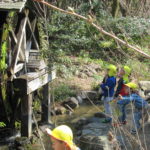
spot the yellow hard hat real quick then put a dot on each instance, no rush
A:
(112, 70)
(131, 85)
(62, 133)
(127, 70)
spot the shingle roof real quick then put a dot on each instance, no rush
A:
(12, 4)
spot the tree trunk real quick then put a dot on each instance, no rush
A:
(115, 8)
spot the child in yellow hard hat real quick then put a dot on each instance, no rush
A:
(123, 75)
(108, 91)
(62, 138)
(140, 105)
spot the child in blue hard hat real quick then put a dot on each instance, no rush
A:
(108, 87)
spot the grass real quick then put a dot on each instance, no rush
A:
(62, 90)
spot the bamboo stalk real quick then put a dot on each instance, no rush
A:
(90, 21)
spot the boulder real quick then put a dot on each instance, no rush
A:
(80, 100)
(94, 136)
(94, 143)
(89, 95)
(80, 123)
(71, 103)
(144, 89)
(144, 85)
(59, 110)
(100, 115)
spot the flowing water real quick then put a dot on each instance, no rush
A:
(81, 112)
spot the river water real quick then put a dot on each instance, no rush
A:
(81, 112)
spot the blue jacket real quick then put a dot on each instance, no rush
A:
(137, 100)
(109, 86)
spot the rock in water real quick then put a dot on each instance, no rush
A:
(71, 103)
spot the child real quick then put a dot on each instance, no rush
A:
(62, 138)
(140, 105)
(123, 74)
(108, 91)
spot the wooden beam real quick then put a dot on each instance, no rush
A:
(18, 67)
(15, 41)
(23, 48)
(32, 32)
(36, 64)
(13, 36)
(28, 47)
(18, 46)
(46, 104)
(26, 115)
(38, 82)
(32, 81)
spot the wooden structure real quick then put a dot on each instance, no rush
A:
(26, 71)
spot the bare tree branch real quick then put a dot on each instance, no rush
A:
(90, 21)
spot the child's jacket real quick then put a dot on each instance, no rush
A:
(120, 88)
(137, 100)
(108, 86)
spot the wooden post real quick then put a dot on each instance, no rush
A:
(26, 118)
(46, 105)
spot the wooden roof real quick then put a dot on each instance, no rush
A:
(12, 4)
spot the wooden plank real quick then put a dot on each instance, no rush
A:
(13, 36)
(36, 64)
(18, 46)
(46, 104)
(12, 5)
(18, 67)
(38, 83)
(26, 115)
(31, 83)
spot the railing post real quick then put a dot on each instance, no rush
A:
(46, 104)
(26, 115)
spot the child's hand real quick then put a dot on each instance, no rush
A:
(119, 97)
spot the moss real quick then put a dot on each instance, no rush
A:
(3, 54)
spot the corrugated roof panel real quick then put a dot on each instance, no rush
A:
(12, 5)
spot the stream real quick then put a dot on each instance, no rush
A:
(81, 112)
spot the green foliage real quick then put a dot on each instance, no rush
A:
(2, 124)
(62, 91)
(3, 56)
(18, 125)
(140, 69)
(72, 37)
(36, 105)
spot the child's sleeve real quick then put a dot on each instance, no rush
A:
(108, 84)
(125, 100)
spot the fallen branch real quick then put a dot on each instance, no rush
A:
(90, 21)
